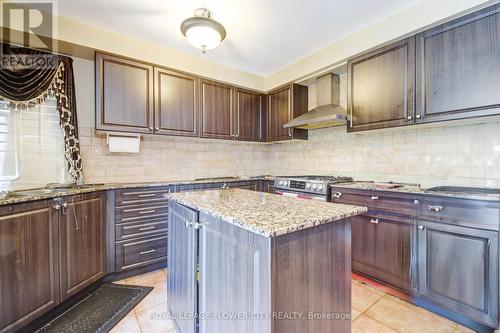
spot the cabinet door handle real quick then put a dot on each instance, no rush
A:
(147, 211)
(189, 224)
(416, 202)
(435, 208)
(418, 116)
(197, 225)
(147, 252)
(410, 117)
(147, 195)
(151, 129)
(337, 195)
(374, 221)
(147, 228)
(421, 227)
(57, 206)
(374, 197)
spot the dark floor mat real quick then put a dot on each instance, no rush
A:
(99, 311)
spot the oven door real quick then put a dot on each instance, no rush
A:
(300, 195)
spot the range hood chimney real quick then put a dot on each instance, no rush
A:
(328, 113)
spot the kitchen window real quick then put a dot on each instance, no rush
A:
(31, 147)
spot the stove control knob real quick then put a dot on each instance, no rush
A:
(314, 186)
(320, 187)
(308, 185)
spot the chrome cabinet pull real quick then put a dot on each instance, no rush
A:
(147, 211)
(435, 208)
(147, 195)
(410, 117)
(197, 225)
(374, 221)
(416, 202)
(337, 195)
(419, 116)
(147, 228)
(374, 197)
(151, 129)
(189, 224)
(421, 227)
(57, 206)
(147, 252)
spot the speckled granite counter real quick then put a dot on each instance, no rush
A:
(266, 214)
(446, 191)
(87, 188)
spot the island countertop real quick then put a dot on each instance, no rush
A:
(268, 215)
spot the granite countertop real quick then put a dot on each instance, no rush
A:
(415, 189)
(88, 188)
(268, 215)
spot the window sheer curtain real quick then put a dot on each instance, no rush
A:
(23, 87)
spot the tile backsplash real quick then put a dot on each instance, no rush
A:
(466, 155)
(165, 158)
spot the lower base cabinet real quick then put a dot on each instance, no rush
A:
(458, 269)
(29, 266)
(381, 248)
(49, 250)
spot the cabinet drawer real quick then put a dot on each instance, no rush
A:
(397, 203)
(465, 212)
(141, 212)
(131, 254)
(141, 195)
(140, 229)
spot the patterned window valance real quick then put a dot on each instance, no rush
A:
(28, 77)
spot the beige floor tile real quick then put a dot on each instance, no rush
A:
(354, 313)
(154, 320)
(406, 319)
(148, 279)
(128, 324)
(364, 324)
(157, 296)
(363, 298)
(124, 281)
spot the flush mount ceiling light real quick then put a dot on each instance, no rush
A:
(202, 31)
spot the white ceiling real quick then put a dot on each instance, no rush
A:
(262, 35)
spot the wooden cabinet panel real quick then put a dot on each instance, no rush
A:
(283, 105)
(458, 68)
(29, 269)
(381, 87)
(124, 95)
(83, 235)
(176, 103)
(382, 249)
(141, 252)
(216, 110)
(249, 114)
(182, 252)
(458, 269)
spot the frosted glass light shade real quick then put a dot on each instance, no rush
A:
(202, 31)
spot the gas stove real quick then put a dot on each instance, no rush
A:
(307, 187)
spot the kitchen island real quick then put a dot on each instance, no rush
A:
(243, 261)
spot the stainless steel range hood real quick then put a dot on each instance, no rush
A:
(328, 113)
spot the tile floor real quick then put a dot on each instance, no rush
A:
(373, 310)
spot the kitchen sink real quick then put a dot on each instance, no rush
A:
(33, 192)
(69, 186)
(464, 190)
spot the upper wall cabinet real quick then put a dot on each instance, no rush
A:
(176, 103)
(249, 111)
(216, 110)
(124, 95)
(458, 68)
(380, 87)
(285, 104)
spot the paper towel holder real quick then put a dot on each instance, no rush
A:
(123, 135)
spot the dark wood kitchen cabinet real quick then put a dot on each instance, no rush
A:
(249, 110)
(284, 105)
(216, 110)
(381, 248)
(458, 269)
(380, 87)
(176, 103)
(29, 265)
(458, 68)
(83, 237)
(124, 95)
